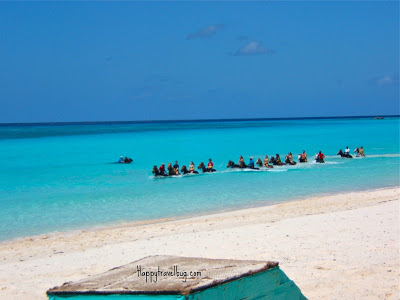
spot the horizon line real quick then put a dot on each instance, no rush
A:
(190, 120)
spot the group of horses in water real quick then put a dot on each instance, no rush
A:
(346, 153)
(174, 170)
(267, 163)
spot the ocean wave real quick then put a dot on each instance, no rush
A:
(381, 155)
(367, 156)
(178, 176)
(325, 163)
(230, 170)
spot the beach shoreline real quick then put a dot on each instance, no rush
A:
(295, 233)
(243, 208)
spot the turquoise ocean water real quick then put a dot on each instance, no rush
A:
(59, 177)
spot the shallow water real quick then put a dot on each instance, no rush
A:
(56, 178)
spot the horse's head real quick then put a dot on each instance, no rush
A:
(201, 166)
(340, 152)
(259, 162)
(183, 169)
(230, 164)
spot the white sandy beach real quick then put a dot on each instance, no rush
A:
(343, 246)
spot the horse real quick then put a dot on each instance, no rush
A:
(172, 171)
(318, 160)
(204, 169)
(259, 162)
(128, 160)
(185, 171)
(232, 165)
(301, 159)
(157, 173)
(344, 155)
(275, 162)
(288, 162)
(359, 151)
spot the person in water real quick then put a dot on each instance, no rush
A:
(320, 156)
(176, 166)
(347, 151)
(361, 151)
(171, 170)
(251, 162)
(155, 171)
(266, 161)
(278, 159)
(121, 160)
(290, 158)
(161, 169)
(304, 156)
(241, 162)
(210, 164)
(287, 159)
(191, 167)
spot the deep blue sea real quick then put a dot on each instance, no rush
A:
(61, 177)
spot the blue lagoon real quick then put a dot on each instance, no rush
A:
(61, 177)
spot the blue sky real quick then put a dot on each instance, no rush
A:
(111, 61)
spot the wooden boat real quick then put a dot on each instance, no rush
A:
(184, 278)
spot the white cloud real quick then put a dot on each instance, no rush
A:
(205, 32)
(253, 48)
(385, 80)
